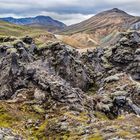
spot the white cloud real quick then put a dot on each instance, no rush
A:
(68, 19)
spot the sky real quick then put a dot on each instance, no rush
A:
(67, 11)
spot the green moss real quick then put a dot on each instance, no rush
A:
(8, 29)
(11, 50)
(95, 137)
(124, 134)
(16, 116)
(16, 42)
(38, 109)
(6, 44)
(42, 46)
(101, 116)
(29, 112)
(121, 117)
(82, 117)
(6, 120)
(40, 133)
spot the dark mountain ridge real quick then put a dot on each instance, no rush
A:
(40, 21)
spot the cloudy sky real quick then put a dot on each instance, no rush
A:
(67, 11)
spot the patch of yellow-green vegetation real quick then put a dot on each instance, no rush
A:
(46, 45)
(11, 41)
(95, 137)
(6, 119)
(82, 117)
(6, 44)
(42, 46)
(39, 42)
(108, 66)
(15, 116)
(123, 133)
(50, 129)
(121, 117)
(11, 50)
(31, 112)
(39, 134)
(38, 109)
(20, 41)
(101, 115)
(7, 29)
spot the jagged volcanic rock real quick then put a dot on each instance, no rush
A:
(72, 85)
(56, 70)
(63, 74)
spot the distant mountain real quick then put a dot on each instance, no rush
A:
(109, 20)
(103, 26)
(39, 21)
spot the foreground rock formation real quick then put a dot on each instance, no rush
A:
(68, 92)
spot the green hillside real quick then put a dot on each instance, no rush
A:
(8, 29)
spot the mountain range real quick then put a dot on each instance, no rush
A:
(100, 29)
(109, 20)
(103, 27)
(38, 21)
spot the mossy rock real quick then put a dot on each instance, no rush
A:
(6, 39)
(40, 133)
(42, 46)
(6, 119)
(7, 44)
(101, 115)
(11, 50)
(38, 109)
(123, 134)
(95, 136)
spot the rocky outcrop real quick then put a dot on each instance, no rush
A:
(57, 78)
(63, 74)
(55, 70)
(121, 71)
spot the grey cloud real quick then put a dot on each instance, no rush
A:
(68, 11)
